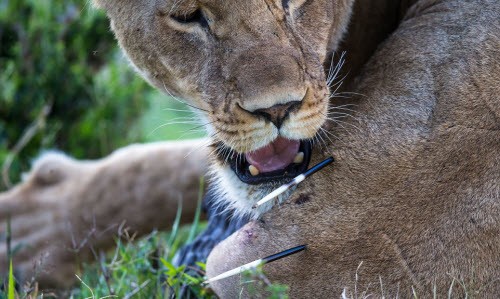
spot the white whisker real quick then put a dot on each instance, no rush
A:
(323, 130)
(176, 110)
(178, 100)
(331, 109)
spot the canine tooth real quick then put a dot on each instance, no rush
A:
(299, 158)
(253, 170)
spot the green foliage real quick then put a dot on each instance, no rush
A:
(61, 55)
(257, 285)
(140, 269)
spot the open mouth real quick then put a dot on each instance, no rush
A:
(277, 162)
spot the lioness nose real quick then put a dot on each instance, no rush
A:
(278, 113)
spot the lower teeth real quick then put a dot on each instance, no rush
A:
(253, 170)
(299, 158)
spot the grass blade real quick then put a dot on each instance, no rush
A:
(196, 221)
(8, 239)
(175, 226)
(11, 283)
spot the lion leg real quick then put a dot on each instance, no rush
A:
(64, 207)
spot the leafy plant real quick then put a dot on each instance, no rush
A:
(257, 285)
(63, 85)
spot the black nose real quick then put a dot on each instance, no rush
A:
(278, 113)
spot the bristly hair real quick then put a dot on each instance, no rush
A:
(230, 193)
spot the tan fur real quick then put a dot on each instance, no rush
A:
(412, 195)
(414, 198)
(412, 202)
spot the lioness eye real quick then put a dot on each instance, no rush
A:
(193, 17)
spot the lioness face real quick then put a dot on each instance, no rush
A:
(253, 69)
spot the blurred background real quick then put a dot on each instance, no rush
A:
(65, 85)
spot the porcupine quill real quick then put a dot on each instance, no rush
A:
(298, 179)
(256, 263)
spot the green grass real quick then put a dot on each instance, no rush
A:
(140, 269)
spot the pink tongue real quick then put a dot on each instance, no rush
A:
(274, 156)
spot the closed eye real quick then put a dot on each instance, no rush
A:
(195, 17)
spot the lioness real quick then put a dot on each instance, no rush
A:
(411, 205)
